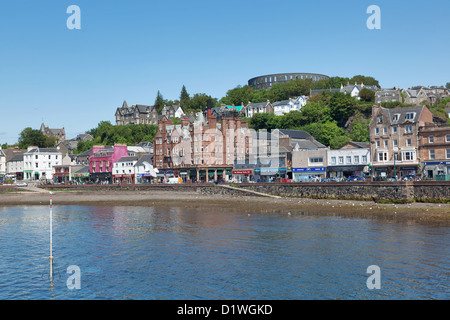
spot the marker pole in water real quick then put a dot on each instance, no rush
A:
(50, 258)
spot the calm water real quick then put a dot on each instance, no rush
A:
(177, 253)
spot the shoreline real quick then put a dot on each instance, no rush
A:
(410, 212)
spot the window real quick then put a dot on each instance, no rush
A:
(448, 154)
(396, 117)
(49, 157)
(408, 129)
(316, 160)
(341, 160)
(377, 131)
(380, 119)
(432, 155)
(348, 160)
(356, 159)
(395, 143)
(408, 142)
(364, 159)
(385, 144)
(382, 156)
(408, 155)
(384, 130)
(333, 160)
(410, 115)
(378, 143)
(394, 130)
(447, 138)
(431, 139)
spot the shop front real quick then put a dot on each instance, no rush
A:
(202, 174)
(309, 174)
(241, 175)
(269, 174)
(123, 178)
(101, 177)
(80, 177)
(439, 170)
(345, 171)
(407, 171)
(164, 174)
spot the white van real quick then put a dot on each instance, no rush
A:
(174, 180)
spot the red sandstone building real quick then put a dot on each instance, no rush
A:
(201, 150)
(434, 150)
(394, 140)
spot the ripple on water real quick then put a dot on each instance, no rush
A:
(178, 253)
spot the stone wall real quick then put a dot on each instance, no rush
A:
(424, 191)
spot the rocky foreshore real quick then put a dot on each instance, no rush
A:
(410, 212)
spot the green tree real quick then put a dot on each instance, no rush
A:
(367, 95)
(239, 95)
(342, 106)
(359, 130)
(33, 137)
(184, 97)
(267, 121)
(368, 81)
(159, 102)
(447, 85)
(199, 101)
(316, 112)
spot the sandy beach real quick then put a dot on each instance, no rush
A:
(412, 212)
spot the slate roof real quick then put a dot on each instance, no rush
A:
(402, 111)
(296, 134)
(281, 103)
(84, 169)
(145, 158)
(257, 104)
(360, 144)
(44, 150)
(18, 157)
(126, 159)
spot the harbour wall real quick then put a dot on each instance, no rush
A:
(422, 191)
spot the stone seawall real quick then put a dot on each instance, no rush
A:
(423, 191)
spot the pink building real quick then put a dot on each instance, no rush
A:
(102, 159)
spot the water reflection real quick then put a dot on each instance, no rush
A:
(219, 253)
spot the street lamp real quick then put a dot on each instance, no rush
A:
(395, 149)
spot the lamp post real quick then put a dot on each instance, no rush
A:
(395, 149)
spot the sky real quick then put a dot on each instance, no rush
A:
(128, 50)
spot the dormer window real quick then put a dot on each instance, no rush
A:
(380, 119)
(396, 117)
(410, 115)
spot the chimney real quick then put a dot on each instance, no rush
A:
(224, 125)
(231, 123)
(212, 120)
(184, 122)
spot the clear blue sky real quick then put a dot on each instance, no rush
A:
(130, 49)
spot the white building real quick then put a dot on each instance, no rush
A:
(282, 107)
(123, 170)
(260, 107)
(354, 90)
(350, 160)
(144, 170)
(15, 166)
(2, 162)
(38, 163)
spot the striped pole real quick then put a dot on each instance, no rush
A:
(51, 239)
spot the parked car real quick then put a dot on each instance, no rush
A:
(356, 178)
(22, 184)
(285, 180)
